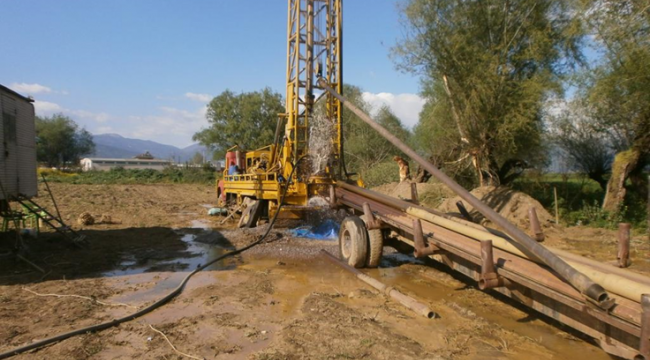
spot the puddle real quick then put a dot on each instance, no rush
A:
(509, 318)
(195, 255)
(200, 224)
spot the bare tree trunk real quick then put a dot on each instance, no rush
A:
(624, 163)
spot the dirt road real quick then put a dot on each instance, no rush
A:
(278, 301)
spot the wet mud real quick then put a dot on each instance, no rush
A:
(280, 300)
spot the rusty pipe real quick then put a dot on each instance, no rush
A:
(534, 224)
(414, 194)
(582, 283)
(421, 250)
(624, 245)
(393, 293)
(644, 339)
(489, 278)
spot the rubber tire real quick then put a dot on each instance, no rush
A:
(376, 244)
(353, 241)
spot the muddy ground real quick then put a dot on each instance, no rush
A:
(280, 300)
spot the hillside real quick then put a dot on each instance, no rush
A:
(117, 146)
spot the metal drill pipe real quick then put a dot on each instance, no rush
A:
(614, 279)
(405, 300)
(578, 280)
(468, 227)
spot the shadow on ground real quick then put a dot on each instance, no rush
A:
(112, 253)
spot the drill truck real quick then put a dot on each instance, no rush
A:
(609, 304)
(314, 50)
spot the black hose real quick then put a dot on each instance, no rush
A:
(158, 303)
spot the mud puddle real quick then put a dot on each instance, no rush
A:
(195, 255)
(438, 288)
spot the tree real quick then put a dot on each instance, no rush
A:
(364, 148)
(60, 141)
(488, 67)
(197, 159)
(247, 119)
(589, 148)
(618, 89)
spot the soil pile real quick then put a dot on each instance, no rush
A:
(428, 194)
(511, 204)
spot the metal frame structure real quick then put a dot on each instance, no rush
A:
(314, 50)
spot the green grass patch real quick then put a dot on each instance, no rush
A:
(580, 200)
(183, 175)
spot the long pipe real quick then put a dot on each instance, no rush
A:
(405, 300)
(582, 283)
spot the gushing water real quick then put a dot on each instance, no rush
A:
(318, 201)
(321, 133)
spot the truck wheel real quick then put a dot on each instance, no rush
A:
(252, 214)
(376, 243)
(353, 241)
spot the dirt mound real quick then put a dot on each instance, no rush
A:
(511, 204)
(428, 194)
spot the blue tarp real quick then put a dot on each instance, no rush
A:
(327, 230)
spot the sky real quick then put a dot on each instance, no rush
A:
(147, 68)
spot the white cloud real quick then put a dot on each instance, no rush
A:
(46, 108)
(199, 97)
(30, 89)
(101, 117)
(174, 126)
(104, 130)
(406, 107)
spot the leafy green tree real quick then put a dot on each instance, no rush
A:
(587, 146)
(197, 159)
(246, 119)
(60, 141)
(364, 148)
(488, 67)
(617, 90)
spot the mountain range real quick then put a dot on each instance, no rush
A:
(117, 146)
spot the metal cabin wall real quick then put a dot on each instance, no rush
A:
(26, 135)
(17, 146)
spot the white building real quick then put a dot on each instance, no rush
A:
(17, 145)
(103, 164)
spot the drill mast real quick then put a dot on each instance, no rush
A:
(314, 46)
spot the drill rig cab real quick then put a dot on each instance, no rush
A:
(308, 135)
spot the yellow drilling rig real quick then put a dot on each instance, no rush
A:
(254, 181)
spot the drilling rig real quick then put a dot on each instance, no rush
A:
(314, 51)
(609, 304)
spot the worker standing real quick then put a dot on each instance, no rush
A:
(404, 173)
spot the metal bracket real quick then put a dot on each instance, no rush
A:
(333, 200)
(372, 223)
(489, 278)
(534, 225)
(421, 249)
(414, 194)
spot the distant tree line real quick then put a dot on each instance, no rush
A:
(60, 141)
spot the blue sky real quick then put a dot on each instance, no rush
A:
(145, 68)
